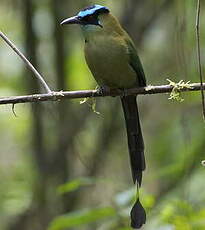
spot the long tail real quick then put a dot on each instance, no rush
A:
(134, 135)
(137, 159)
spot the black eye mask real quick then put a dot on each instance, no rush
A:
(90, 20)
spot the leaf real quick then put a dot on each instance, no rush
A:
(81, 218)
(75, 185)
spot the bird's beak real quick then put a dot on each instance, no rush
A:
(72, 20)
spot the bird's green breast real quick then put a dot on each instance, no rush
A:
(108, 59)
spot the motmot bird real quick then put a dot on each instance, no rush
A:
(112, 58)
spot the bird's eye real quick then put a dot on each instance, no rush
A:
(89, 18)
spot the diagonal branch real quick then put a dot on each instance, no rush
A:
(26, 61)
(62, 95)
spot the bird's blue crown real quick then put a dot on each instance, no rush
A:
(95, 9)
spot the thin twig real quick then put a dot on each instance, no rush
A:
(30, 66)
(61, 95)
(199, 53)
(13, 110)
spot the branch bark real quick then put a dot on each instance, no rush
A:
(62, 95)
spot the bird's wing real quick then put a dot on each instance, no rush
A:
(135, 63)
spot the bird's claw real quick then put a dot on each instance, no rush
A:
(103, 90)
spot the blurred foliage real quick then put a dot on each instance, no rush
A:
(74, 185)
(80, 218)
(182, 215)
(114, 214)
(80, 178)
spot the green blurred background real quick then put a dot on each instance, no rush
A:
(64, 167)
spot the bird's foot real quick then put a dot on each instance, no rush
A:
(103, 90)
